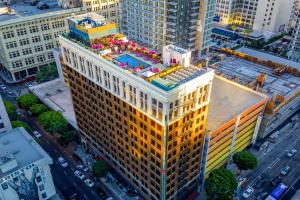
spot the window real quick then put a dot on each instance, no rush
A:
(41, 58)
(21, 31)
(4, 186)
(8, 34)
(36, 39)
(58, 24)
(49, 46)
(47, 36)
(24, 41)
(45, 27)
(33, 29)
(12, 44)
(38, 48)
(50, 55)
(26, 51)
(29, 61)
(17, 64)
(13, 54)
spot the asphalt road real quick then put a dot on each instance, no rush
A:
(272, 165)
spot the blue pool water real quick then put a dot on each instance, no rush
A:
(131, 61)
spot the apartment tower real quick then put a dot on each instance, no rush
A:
(155, 24)
(294, 52)
(258, 15)
(144, 116)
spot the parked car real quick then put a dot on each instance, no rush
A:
(83, 168)
(62, 162)
(285, 171)
(291, 153)
(259, 183)
(3, 87)
(37, 134)
(262, 195)
(33, 2)
(275, 180)
(89, 182)
(78, 174)
(248, 192)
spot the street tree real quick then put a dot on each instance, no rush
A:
(11, 110)
(220, 185)
(53, 121)
(245, 160)
(27, 100)
(17, 123)
(38, 109)
(67, 137)
(46, 73)
(100, 168)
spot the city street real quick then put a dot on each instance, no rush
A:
(272, 164)
(64, 179)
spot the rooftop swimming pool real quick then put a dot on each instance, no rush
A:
(131, 61)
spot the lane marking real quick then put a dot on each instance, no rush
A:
(274, 163)
(252, 183)
(65, 173)
(85, 196)
(74, 184)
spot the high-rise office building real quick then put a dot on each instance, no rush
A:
(159, 23)
(147, 118)
(258, 15)
(5, 124)
(294, 52)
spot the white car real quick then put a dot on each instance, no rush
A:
(37, 134)
(82, 167)
(248, 192)
(62, 162)
(291, 153)
(78, 174)
(89, 183)
(3, 87)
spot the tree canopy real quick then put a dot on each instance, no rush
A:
(46, 73)
(220, 185)
(53, 121)
(38, 109)
(11, 110)
(67, 137)
(27, 100)
(16, 124)
(100, 168)
(244, 160)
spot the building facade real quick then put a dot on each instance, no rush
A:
(155, 24)
(262, 16)
(149, 123)
(294, 52)
(24, 168)
(5, 124)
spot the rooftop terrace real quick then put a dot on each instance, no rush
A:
(245, 73)
(224, 104)
(20, 9)
(128, 56)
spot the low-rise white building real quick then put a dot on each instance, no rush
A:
(4, 119)
(24, 168)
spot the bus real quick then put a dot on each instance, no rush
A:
(278, 192)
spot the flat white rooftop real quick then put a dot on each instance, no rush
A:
(56, 95)
(266, 56)
(24, 11)
(228, 100)
(23, 147)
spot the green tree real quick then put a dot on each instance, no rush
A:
(38, 109)
(244, 160)
(53, 122)
(220, 185)
(16, 124)
(67, 137)
(100, 168)
(233, 28)
(27, 100)
(46, 73)
(11, 110)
